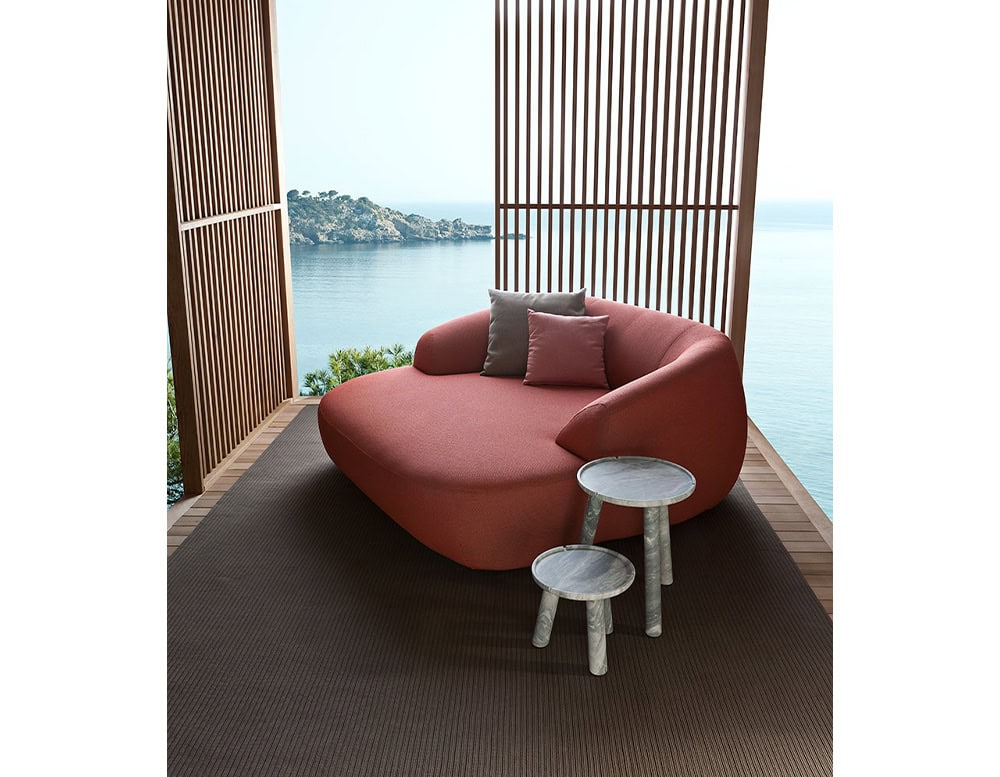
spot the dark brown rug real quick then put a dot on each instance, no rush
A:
(310, 635)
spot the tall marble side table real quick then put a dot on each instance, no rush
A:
(652, 484)
(586, 573)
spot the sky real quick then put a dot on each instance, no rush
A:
(390, 100)
(394, 100)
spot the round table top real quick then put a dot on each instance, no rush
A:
(583, 572)
(636, 481)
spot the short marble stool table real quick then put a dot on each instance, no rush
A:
(652, 484)
(587, 573)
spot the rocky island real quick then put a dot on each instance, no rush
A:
(329, 217)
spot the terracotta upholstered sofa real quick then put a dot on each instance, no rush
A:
(483, 469)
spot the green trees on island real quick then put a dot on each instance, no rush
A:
(330, 217)
(349, 363)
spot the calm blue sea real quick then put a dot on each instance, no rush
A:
(379, 295)
(788, 369)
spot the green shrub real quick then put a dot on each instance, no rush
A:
(175, 480)
(349, 363)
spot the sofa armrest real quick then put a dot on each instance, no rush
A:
(455, 346)
(686, 412)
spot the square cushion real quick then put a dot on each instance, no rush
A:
(507, 349)
(566, 350)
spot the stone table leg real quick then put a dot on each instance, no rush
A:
(651, 544)
(590, 517)
(546, 617)
(597, 643)
(666, 562)
(608, 624)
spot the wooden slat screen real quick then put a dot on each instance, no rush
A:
(229, 288)
(626, 147)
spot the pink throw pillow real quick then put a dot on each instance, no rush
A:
(566, 350)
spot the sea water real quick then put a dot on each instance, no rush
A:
(370, 294)
(788, 367)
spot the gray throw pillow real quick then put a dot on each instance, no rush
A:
(507, 350)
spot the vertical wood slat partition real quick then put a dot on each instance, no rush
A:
(629, 130)
(229, 274)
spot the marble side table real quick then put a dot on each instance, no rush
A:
(652, 484)
(587, 573)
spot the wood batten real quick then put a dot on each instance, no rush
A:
(626, 151)
(748, 182)
(229, 283)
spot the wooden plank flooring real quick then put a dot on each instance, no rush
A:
(800, 524)
(795, 517)
(185, 515)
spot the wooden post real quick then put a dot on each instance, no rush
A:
(280, 196)
(754, 86)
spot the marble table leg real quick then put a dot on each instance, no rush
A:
(590, 517)
(546, 617)
(651, 544)
(608, 626)
(666, 562)
(597, 643)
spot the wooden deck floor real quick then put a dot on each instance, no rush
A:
(796, 518)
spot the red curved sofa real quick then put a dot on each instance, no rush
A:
(483, 469)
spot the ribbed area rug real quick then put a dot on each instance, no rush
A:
(310, 635)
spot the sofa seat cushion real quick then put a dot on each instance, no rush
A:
(467, 464)
(462, 430)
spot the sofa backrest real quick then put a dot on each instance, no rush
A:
(640, 340)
